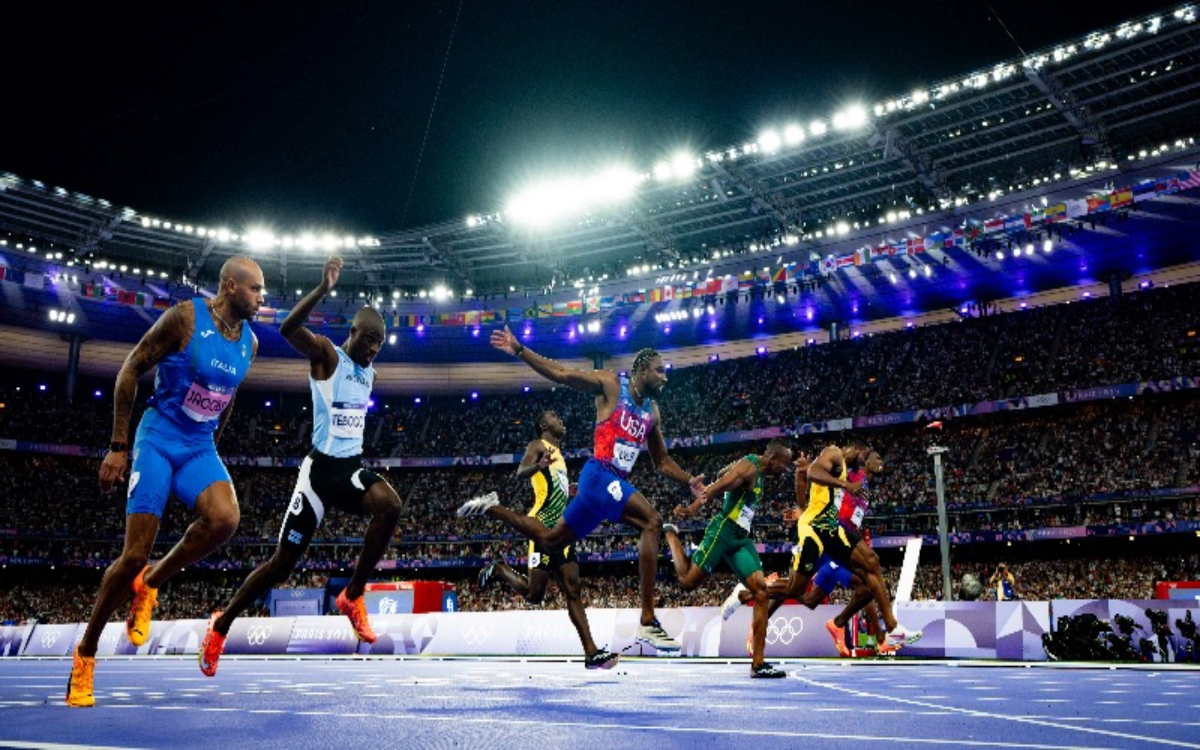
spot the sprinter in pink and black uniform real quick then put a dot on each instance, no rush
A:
(627, 421)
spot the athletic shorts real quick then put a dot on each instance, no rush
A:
(166, 461)
(550, 559)
(830, 575)
(836, 543)
(324, 482)
(725, 540)
(601, 497)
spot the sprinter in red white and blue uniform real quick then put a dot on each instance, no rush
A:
(627, 421)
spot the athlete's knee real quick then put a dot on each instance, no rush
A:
(654, 523)
(223, 522)
(384, 501)
(813, 597)
(758, 590)
(131, 562)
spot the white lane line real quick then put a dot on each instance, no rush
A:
(985, 714)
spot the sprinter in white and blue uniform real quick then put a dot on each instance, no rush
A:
(332, 474)
(203, 349)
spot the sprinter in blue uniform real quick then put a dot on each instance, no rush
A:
(202, 349)
(332, 474)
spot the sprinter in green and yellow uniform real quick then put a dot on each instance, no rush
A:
(728, 537)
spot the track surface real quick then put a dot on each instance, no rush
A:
(423, 702)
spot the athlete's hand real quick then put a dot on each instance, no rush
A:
(854, 488)
(802, 462)
(696, 485)
(791, 515)
(333, 269)
(112, 470)
(684, 511)
(505, 341)
(546, 459)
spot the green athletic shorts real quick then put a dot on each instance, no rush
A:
(725, 540)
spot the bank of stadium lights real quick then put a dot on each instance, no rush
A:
(549, 201)
(62, 316)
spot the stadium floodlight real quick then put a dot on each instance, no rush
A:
(1017, 251)
(662, 171)
(306, 241)
(593, 327)
(440, 293)
(793, 134)
(770, 141)
(842, 228)
(912, 273)
(392, 338)
(223, 235)
(1047, 246)
(329, 242)
(683, 165)
(1029, 249)
(817, 128)
(928, 270)
(892, 277)
(396, 294)
(287, 243)
(422, 294)
(258, 238)
(472, 222)
(145, 222)
(851, 118)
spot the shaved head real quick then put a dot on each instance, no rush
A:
(240, 269)
(368, 319)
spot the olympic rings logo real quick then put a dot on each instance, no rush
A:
(257, 635)
(476, 636)
(784, 630)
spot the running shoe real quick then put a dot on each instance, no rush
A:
(839, 638)
(356, 610)
(602, 659)
(765, 670)
(211, 648)
(886, 649)
(656, 637)
(487, 575)
(772, 578)
(477, 506)
(902, 636)
(145, 600)
(732, 602)
(79, 686)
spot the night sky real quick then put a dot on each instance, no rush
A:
(312, 114)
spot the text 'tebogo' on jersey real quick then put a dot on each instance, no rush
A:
(193, 387)
(340, 407)
(622, 436)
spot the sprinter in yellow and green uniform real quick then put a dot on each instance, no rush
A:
(728, 537)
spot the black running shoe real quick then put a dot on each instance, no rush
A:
(487, 574)
(602, 659)
(765, 670)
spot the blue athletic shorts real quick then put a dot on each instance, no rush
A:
(602, 496)
(831, 574)
(166, 460)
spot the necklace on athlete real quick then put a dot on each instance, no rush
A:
(213, 309)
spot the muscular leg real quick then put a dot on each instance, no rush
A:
(532, 528)
(757, 586)
(384, 505)
(572, 588)
(861, 598)
(271, 573)
(865, 564)
(116, 586)
(532, 587)
(690, 576)
(640, 514)
(219, 515)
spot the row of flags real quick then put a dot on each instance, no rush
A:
(971, 231)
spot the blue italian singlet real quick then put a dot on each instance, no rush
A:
(173, 451)
(340, 407)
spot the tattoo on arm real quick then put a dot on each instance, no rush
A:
(169, 334)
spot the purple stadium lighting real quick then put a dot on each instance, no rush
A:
(910, 324)
(571, 333)
(98, 394)
(810, 314)
(667, 329)
(667, 366)
(474, 395)
(623, 373)
(42, 387)
(810, 342)
(267, 404)
(420, 328)
(1087, 295)
(713, 357)
(963, 309)
(527, 332)
(1145, 284)
(760, 320)
(475, 333)
(622, 331)
(417, 400)
(1024, 305)
(526, 389)
(712, 326)
(371, 404)
(760, 351)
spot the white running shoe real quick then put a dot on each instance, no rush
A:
(732, 602)
(656, 637)
(902, 636)
(477, 506)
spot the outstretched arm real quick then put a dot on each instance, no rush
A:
(742, 472)
(170, 333)
(318, 349)
(588, 381)
(821, 472)
(663, 463)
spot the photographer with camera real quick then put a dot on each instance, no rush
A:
(1005, 583)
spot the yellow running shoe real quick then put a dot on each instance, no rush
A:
(79, 686)
(356, 610)
(211, 648)
(145, 599)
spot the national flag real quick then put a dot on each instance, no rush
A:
(428, 320)
(126, 298)
(559, 309)
(845, 261)
(575, 307)
(668, 293)
(1055, 213)
(959, 239)
(656, 295)
(745, 283)
(546, 310)
(993, 225)
(528, 313)
(729, 284)
(935, 239)
(95, 291)
(915, 245)
(779, 274)
(591, 305)
(1144, 190)
(791, 271)
(637, 299)
(1098, 204)
(164, 303)
(1076, 207)
(1121, 197)
(862, 256)
(828, 265)
(35, 281)
(14, 275)
(607, 303)
(471, 318)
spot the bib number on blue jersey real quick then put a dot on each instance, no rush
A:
(624, 455)
(347, 423)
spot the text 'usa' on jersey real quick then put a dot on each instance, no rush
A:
(622, 436)
(340, 407)
(194, 386)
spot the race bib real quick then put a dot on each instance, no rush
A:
(857, 518)
(624, 455)
(562, 483)
(535, 559)
(348, 421)
(204, 404)
(745, 518)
